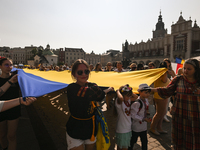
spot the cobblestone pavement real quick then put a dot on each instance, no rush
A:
(49, 114)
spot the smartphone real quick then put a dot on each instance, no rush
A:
(14, 72)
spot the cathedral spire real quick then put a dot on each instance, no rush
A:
(195, 24)
(160, 28)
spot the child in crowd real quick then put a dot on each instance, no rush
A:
(139, 119)
(123, 106)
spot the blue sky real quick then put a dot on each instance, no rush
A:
(94, 25)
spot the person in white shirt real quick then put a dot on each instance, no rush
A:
(122, 105)
(119, 67)
(139, 118)
(5, 105)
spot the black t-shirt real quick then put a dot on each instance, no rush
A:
(11, 93)
(79, 102)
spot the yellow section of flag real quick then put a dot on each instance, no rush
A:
(105, 79)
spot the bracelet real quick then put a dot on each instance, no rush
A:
(10, 82)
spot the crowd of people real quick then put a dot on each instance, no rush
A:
(97, 67)
(131, 109)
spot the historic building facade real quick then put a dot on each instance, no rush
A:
(17, 54)
(92, 58)
(111, 56)
(72, 54)
(183, 42)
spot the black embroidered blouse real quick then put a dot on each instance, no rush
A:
(80, 123)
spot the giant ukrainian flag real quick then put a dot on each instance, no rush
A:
(36, 83)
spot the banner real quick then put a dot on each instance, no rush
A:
(37, 83)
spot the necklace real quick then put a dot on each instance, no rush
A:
(127, 111)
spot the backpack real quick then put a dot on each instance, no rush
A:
(141, 104)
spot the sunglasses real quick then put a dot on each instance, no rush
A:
(7, 65)
(80, 72)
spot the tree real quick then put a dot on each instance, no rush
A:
(60, 63)
(34, 52)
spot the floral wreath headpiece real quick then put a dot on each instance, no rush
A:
(126, 88)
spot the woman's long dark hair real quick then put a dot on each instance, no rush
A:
(97, 65)
(167, 59)
(197, 70)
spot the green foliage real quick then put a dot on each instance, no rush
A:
(60, 63)
(34, 51)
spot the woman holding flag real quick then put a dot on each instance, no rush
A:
(9, 119)
(81, 124)
(186, 107)
(170, 72)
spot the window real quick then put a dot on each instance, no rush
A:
(153, 53)
(161, 52)
(146, 53)
(179, 45)
(140, 54)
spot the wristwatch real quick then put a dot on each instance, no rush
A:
(10, 82)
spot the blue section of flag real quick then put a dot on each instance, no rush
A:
(35, 86)
(178, 60)
(15, 69)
